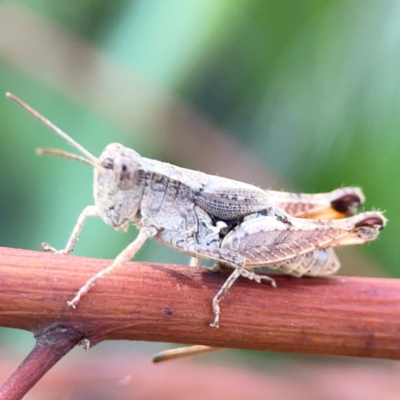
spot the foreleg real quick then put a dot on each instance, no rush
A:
(122, 258)
(89, 211)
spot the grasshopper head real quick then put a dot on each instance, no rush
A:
(118, 185)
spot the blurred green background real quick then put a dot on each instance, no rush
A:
(295, 95)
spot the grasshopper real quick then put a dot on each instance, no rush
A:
(209, 217)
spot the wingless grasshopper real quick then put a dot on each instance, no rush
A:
(209, 217)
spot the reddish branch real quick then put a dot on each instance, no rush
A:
(169, 303)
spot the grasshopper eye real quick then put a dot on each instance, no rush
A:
(107, 163)
(125, 172)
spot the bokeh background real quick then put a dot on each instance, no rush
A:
(294, 95)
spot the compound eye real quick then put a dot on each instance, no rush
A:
(107, 163)
(125, 172)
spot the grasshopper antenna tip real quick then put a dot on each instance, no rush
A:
(54, 128)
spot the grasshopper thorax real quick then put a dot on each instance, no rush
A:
(118, 185)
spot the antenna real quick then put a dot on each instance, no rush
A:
(94, 160)
(61, 153)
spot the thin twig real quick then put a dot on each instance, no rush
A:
(52, 344)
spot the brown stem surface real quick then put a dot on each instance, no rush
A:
(170, 303)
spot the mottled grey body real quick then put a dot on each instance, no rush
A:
(184, 205)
